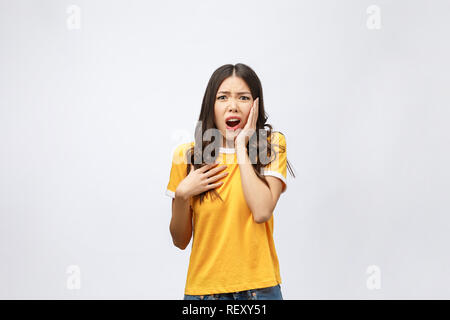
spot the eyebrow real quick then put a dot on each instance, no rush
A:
(242, 92)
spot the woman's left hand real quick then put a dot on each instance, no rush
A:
(250, 127)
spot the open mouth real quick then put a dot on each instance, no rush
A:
(233, 124)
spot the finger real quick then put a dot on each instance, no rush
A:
(215, 178)
(250, 118)
(257, 111)
(212, 174)
(252, 124)
(214, 185)
(255, 116)
(214, 171)
(208, 166)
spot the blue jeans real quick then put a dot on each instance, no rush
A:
(269, 293)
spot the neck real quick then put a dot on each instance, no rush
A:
(229, 144)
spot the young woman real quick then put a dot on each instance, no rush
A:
(227, 205)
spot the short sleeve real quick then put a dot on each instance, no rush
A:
(277, 168)
(178, 169)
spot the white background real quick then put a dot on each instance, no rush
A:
(89, 118)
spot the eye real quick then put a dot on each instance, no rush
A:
(219, 98)
(245, 98)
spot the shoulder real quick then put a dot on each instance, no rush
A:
(276, 135)
(183, 146)
(179, 153)
(278, 138)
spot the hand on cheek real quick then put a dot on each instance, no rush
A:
(250, 127)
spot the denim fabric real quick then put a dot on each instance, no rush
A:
(269, 293)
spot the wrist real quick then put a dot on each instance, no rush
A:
(240, 145)
(180, 194)
(241, 153)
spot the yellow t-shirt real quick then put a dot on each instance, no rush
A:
(230, 251)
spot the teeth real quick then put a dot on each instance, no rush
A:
(233, 120)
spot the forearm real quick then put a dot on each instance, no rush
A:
(257, 194)
(181, 222)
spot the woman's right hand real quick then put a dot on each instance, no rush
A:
(200, 180)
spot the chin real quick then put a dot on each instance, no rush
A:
(231, 138)
(231, 135)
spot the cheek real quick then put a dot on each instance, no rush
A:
(247, 113)
(216, 113)
(218, 122)
(218, 116)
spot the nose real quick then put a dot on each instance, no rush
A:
(233, 105)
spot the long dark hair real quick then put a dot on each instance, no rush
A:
(206, 119)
